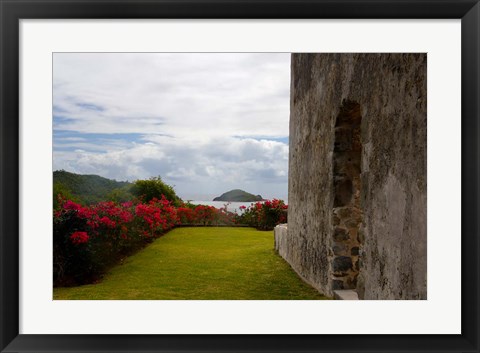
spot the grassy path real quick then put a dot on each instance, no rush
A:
(200, 263)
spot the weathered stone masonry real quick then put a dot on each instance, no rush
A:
(347, 213)
(357, 174)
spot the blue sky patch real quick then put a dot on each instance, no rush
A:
(66, 140)
(60, 119)
(57, 110)
(91, 106)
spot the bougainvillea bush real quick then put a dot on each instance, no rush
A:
(264, 215)
(203, 215)
(88, 240)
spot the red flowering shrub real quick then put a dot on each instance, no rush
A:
(264, 215)
(205, 214)
(189, 214)
(79, 237)
(223, 216)
(155, 217)
(89, 239)
(186, 215)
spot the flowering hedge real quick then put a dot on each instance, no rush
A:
(264, 215)
(196, 215)
(88, 240)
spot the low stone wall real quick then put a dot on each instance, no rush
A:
(283, 246)
(281, 234)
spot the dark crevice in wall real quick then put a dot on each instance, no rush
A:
(347, 213)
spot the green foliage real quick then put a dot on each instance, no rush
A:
(91, 189)
(200, 263)
(238, 195)
(122, 194)
(64, 192)
(87, 189)
(154, 188)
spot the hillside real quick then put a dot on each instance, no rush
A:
(238, 195)
(88, 188)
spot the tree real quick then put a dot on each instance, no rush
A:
(154, 188)
(60, 190)
(122, 194)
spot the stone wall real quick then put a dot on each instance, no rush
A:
(357, 174)
(280, 237)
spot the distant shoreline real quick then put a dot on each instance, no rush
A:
(232, 206)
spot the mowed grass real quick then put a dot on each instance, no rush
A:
(200, 263)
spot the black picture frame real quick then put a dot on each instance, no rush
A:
(11, 11)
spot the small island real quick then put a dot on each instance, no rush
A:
(238, 195)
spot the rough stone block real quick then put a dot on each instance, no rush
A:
(337, 284)
(341, 234)
(345, 294)
(342, 263)
(340, 249)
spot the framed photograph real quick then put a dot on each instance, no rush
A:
(239, 176)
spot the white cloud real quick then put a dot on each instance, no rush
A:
(192, 166)
(194, 114)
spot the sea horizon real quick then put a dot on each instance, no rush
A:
(231, 206)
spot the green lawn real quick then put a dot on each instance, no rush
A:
(200, 263)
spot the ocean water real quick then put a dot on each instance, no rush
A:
(231, 206)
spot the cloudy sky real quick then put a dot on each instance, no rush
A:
(205, 123)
